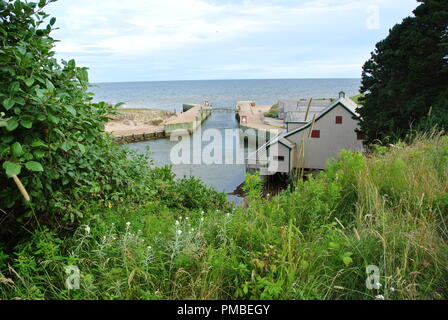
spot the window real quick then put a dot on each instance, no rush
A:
(315, 134)
(279, 158)
(360, 136)
(338, 119)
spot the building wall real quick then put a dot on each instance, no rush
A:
(333, 138)
(279, 150)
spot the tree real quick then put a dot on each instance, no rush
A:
(51, 133)
(405, 82)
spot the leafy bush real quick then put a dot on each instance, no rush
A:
(51, 134)
(52, 138)
(302, 244)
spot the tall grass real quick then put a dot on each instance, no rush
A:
(314, 241)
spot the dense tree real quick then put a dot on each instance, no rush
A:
(406, 80)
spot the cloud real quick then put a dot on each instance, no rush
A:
(169, 39)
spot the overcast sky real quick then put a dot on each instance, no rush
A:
(150, 40)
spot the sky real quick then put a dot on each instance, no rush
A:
(159, 40)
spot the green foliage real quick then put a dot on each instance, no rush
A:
(406, 82)
(253, 186)
(358, 99)
(140, 233)
(311, 242)
(273, 112)
(51, 132)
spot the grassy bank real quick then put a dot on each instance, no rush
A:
(311, 242)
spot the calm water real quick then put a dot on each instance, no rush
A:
(170, 95)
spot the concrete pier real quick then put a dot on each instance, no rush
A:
(251, 116)
(189, 120)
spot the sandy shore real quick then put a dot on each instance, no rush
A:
(130, 121)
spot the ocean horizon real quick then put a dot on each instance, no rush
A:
(170, 95)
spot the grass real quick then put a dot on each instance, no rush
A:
(314, 241)
(357, 98)
(273, 112)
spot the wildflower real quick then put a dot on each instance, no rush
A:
(392, 289)
(378, 285)
(177, 222)
(128, 224)
(202, 219)
(228, 215)
(87, 228)
(186, 218)
(179, 232)
(379, 297)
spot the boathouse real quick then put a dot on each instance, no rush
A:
(315, 131)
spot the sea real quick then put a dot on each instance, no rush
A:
(171, 95)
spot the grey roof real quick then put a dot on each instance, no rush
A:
(299, 116)
(295, 111)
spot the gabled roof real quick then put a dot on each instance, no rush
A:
(347, 104)
(302, 105)
(280, 139)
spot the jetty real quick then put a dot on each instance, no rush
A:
(251, 116)
(188, 121)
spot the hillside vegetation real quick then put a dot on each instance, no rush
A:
(314, 241)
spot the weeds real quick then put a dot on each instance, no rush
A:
(315, 241)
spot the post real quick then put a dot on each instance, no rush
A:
(21, 188)
(308, 109)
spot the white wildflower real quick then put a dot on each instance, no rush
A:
(87, 228)
(179, 232)
(128, 224)
(379, 297)
(177, 222)
(392, 289)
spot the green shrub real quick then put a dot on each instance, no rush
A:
(273, 112)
